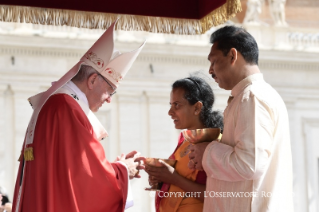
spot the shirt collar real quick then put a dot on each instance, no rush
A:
(245, 82)
(77, 91)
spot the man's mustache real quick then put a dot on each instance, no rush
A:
(213, 75)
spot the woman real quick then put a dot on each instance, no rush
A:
(191, 103)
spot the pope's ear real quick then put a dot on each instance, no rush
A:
(91, 81)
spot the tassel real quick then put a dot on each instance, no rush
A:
(20, 157)
(28, 154)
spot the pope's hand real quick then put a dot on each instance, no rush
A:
(134, 163)
(196, 155)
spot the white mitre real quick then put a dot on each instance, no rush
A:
(100, 56)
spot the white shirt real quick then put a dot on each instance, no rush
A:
(253, 161)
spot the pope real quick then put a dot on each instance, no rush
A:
(63, 165)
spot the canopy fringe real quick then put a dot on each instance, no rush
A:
(94, 20)
(221, 14)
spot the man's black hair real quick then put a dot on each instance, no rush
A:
(236, 37)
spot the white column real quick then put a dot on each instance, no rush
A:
(7, 143)
(145, 124)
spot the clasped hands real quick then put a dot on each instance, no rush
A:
(134, 162)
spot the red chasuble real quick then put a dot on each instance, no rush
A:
(69, 171)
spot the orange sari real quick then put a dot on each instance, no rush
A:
(176, 199)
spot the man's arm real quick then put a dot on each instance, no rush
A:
(248, 159)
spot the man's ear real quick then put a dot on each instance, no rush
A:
(91, 81)
(198, 107)
(233, 55)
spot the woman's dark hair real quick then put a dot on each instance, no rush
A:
(196, 89)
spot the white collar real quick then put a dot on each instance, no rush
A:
(245, 82)
(71, 89)
(70, 85)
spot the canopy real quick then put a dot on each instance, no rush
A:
(163, 16)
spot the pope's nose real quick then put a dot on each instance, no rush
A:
(109, 99)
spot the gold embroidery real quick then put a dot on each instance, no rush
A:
(94, 59)
(116, 76)
(185, 151)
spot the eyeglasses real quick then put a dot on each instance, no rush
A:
(108, 84)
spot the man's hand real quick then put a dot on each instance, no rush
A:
(196, 155)
(134, 163)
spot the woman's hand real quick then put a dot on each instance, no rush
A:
(165, 173)
(153, 181)
(168, 174)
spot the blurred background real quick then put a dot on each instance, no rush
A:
(287, 32)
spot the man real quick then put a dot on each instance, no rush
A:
(63, 165)
(250, 169)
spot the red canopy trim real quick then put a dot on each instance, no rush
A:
(98, 20)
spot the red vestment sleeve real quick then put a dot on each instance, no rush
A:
(69, 171)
